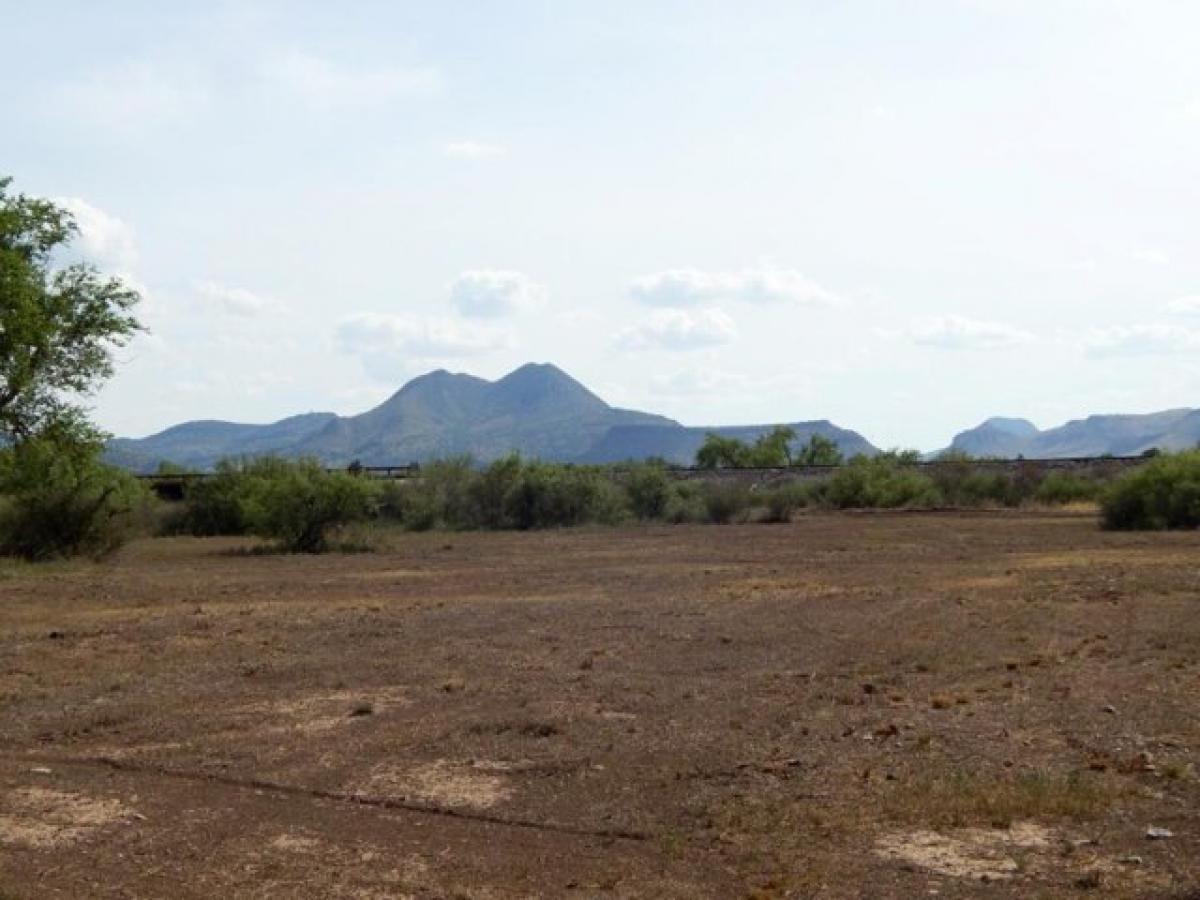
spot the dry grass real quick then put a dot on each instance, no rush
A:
(959, 800)
(844, 706)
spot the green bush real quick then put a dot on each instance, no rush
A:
(61, 500)
(649, 488)
(1164, 493)
(441, 497)
(685, 503)
(784, 499)
(1062, 488)
(301, 503)
(879, 483)
(724, 503)
(960, 483)
(490, 490)
(550, 496)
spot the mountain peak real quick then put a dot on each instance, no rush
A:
(1019, 427)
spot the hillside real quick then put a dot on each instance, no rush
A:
(1118, 435)
(536, 410)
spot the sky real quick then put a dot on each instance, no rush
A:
(902, 217)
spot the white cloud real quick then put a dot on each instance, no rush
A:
(472, 150)
(1185, 306)
(491, 293)
(692, 287)
(106, 240)
(961, 333)
(1141, 340)
(1152, 257)
(324, 83)
(677, 329)
(403, 338)
(235, 300)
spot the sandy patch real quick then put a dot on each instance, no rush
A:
(968, 853)
(42, 819)
(317, 712)
(471, 785)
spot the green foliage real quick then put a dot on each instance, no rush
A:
(216, 505)
(296, 503)
(440, 498)
(719, 452)
(490, 491)
(58, 325)
(1063, 487)
(685, 503)
(61, 500)
(880, 482)
(784, 499)
(819, 451)
(301, 503)
(1162, 494)
(961, 484)
(725, 502)
(772, 450)
(549, 496)
(649, 488)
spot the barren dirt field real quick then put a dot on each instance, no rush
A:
(888, 705)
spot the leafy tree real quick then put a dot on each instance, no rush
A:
(719, 452)
(60, 500)
(772, 450)
(819, 451)
(58, 325)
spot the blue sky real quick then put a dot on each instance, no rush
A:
(901, 217)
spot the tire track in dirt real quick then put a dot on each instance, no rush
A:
(348, 798)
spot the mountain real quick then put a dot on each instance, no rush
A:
(536, 410)
(197, 445)
(1118, 435)
(677, 444)
(996, 437)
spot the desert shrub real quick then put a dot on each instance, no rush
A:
(211, 506)
(551, 496)
(649, 489)
(301, 503)
(489, 493)
(1063, 487)
(960, 483)
(723, 503)
(441, 497)
(784, 499)
(685, 503)
(879, 482)
(61, 500)
(1164, 493)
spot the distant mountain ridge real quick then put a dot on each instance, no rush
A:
(1116, 435)
(537, 410)
(540, 411)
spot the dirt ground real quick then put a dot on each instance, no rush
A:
(887, 705)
